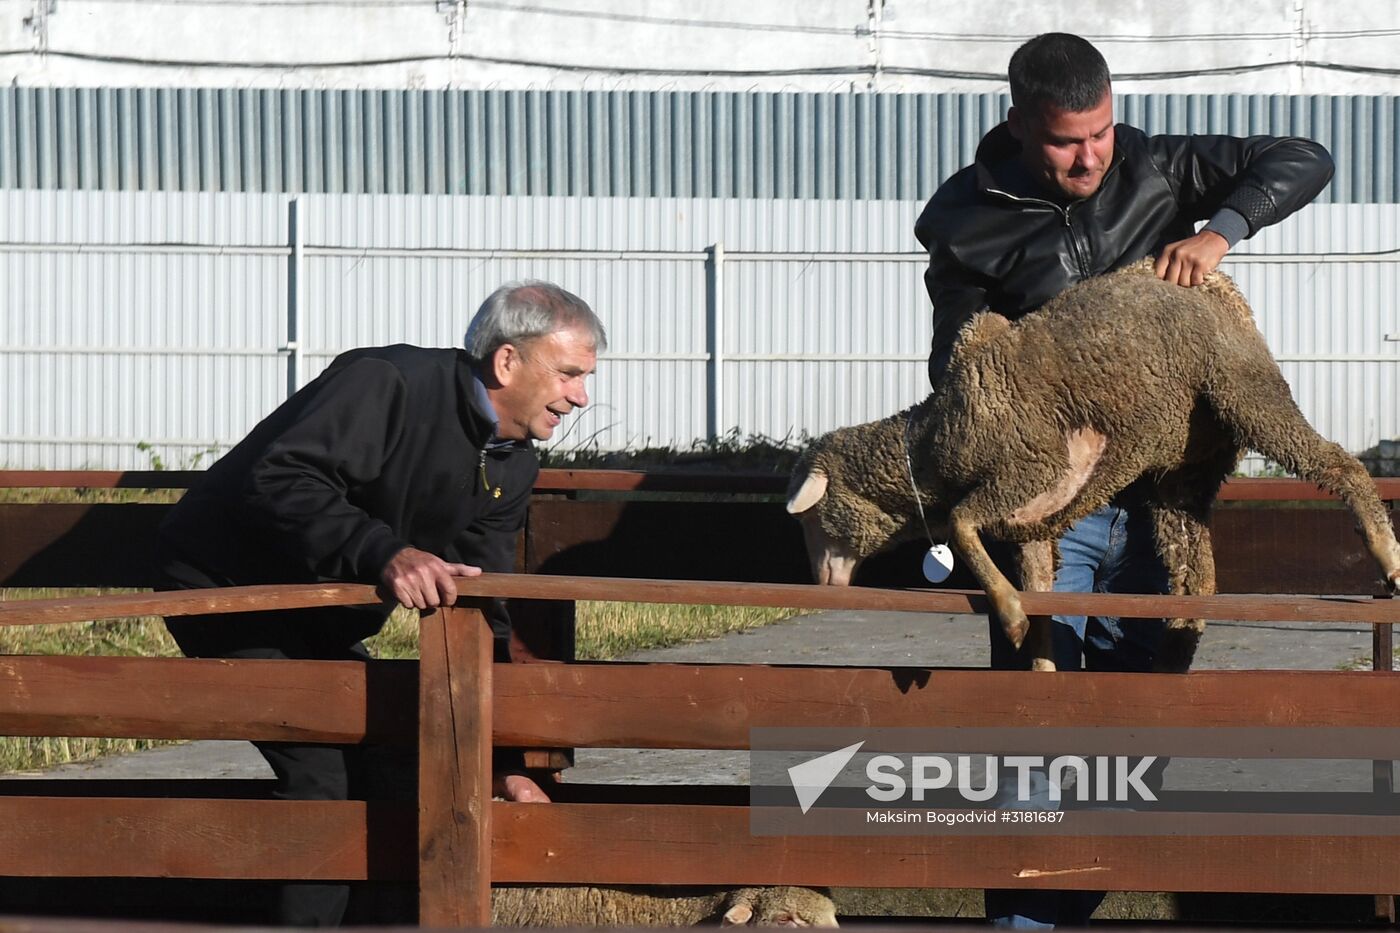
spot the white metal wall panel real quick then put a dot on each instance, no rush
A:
(110, 338)
(1333, 325)
(650, 390)
(163, 317)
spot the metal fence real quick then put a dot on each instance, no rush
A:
(141, 326)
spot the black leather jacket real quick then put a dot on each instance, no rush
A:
(995, 240)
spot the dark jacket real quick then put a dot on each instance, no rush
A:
(996, 241)
(385, 449)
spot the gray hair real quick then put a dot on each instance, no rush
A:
(518, 312)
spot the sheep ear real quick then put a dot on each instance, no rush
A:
(737, 916)
(809, 494)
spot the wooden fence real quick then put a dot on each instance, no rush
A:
(464, 703)
(455, 703)
(609, 523)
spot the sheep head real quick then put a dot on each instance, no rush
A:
(851, 493)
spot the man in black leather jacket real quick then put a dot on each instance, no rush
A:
(1057, 194)
(403, 466)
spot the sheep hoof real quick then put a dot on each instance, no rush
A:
(1392, 582)
(1014, 624)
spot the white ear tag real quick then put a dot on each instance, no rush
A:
(938, 563)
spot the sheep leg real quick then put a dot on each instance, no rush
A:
(1254, 400)
(1338, 472)
(1006, 604)
(1035, 567)
(1183, 543)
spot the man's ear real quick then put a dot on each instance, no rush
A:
(505, 362)
(1016, 124)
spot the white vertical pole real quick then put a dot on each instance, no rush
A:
(296, 268)
(714, 300)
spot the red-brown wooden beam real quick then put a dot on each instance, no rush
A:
(1259, 489)
(454, 769)
(697, 706)
(714, 706)
(180, 698)
(1362, 609)
(186, 602)
(104, 544)
(1359, 609)
(608, 844)
(177, 838)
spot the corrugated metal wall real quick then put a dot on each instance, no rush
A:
(130, 318)
(108, 339)
(1330, 315)
(595, 144)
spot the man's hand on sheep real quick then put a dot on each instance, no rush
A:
(1188, 262)
(420, 580)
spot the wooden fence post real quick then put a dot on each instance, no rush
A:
(454, 769)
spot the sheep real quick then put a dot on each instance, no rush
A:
(626, 906)
(1035, 425)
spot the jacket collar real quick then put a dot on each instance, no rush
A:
(478, 415)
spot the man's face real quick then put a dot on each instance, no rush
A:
(1066, 151)
(540, 381)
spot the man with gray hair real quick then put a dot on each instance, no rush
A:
(402, 466)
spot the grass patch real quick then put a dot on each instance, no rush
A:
(87, 494)
(607, 630)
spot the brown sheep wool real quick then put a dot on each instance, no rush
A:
(1037, 424)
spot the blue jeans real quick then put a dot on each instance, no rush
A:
(1109, 551)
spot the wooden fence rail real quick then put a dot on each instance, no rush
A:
(1236, 607)
(454, 703)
